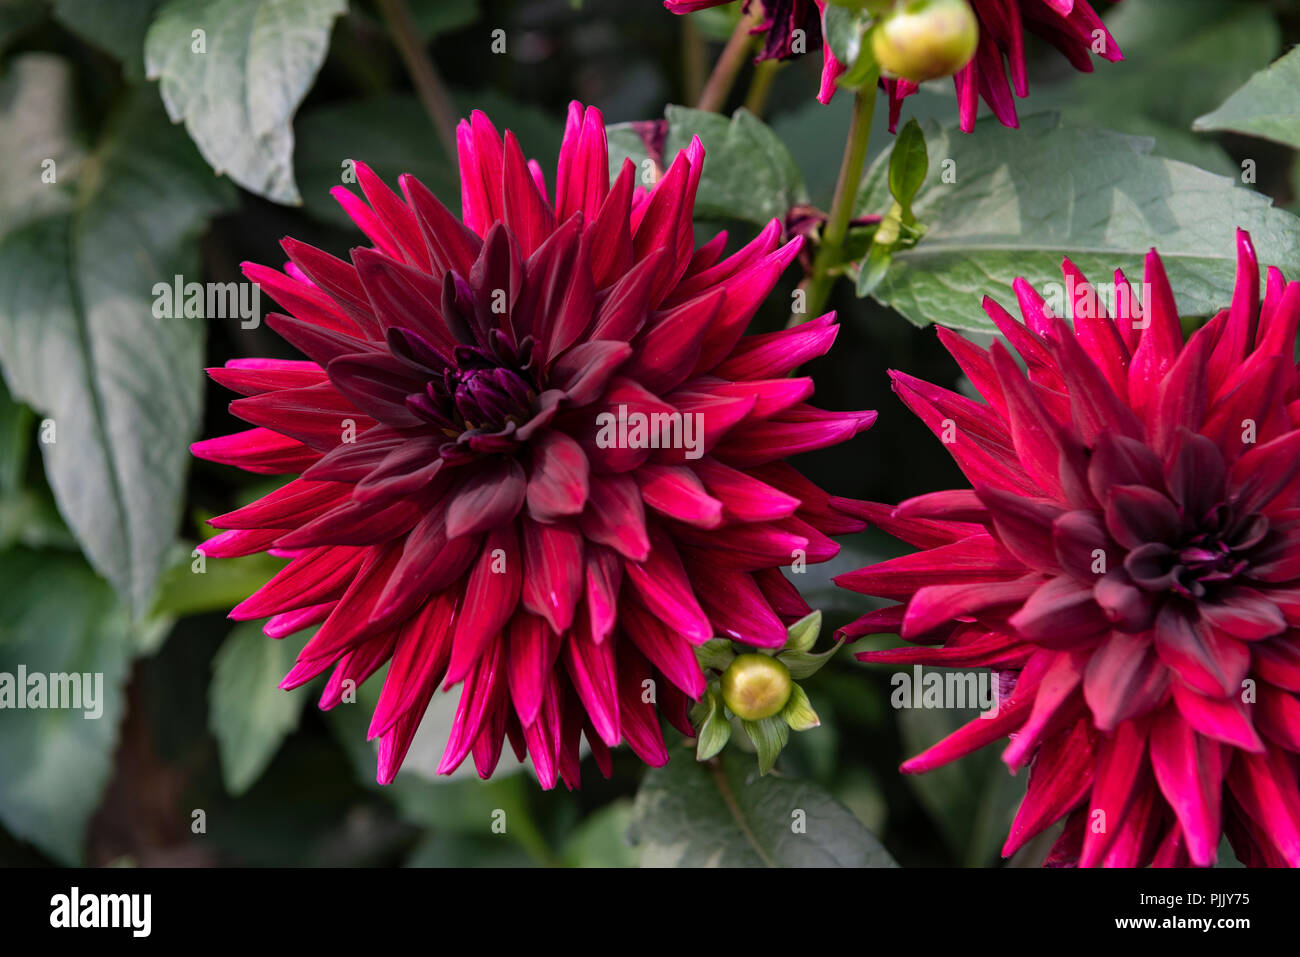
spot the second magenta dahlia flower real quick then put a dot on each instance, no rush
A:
(536, 454)
(997, 74)
(1127, 562)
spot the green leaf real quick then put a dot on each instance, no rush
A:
(79, 342)
(600, 840)
(54, 763)
(1268, 106)
(724, 814)
(38, 115)
(908, 164)
(843, 32)
(222, 584)
(716, 23)
(626, 141)
(118, 27)
(27, 515)
(1193, 55)
(872, 272)
(248, 713)
(237, 97)
(433, 17)
(1023, 199)
(444, 850)
(748, 173)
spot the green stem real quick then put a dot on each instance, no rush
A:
(424, 75)
(760, 85)
(830, 253)
(723, 77)
(695, 60)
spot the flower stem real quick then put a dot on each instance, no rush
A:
(424, 75)
(830, 253)
(723, 77)
(761, 85)
(695, 60)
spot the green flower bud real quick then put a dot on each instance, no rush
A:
(925, 39)
(756, 686)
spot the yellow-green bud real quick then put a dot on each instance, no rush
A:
(756, 686)
(925, 39)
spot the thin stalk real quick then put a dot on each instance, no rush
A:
(830, 254)
(424, 75)
(725, 71)
(760, 85)
(695, 60)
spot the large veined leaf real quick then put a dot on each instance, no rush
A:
(999, 204)
(235, 72)
(54, 762)
(248, 712)
(748, 175)
(692, 814)
(44, 152)
(118, 27)
(79, 342)
(1181, 58)
(1267, 106)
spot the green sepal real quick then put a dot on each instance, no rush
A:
(769, 737)
(802, 635)
(803, 664)
(798, 712)
(714, 731)
(716, 653)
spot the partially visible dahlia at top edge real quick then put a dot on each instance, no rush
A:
(1127, 563)
(997, 73)
(536, 454)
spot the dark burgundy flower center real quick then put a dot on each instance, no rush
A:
(1209, 556)
(488, 389)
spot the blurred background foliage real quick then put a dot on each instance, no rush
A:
(194, 728)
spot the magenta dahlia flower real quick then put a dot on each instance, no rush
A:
(1072, 26)
(537, 454)
(1128, 563)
